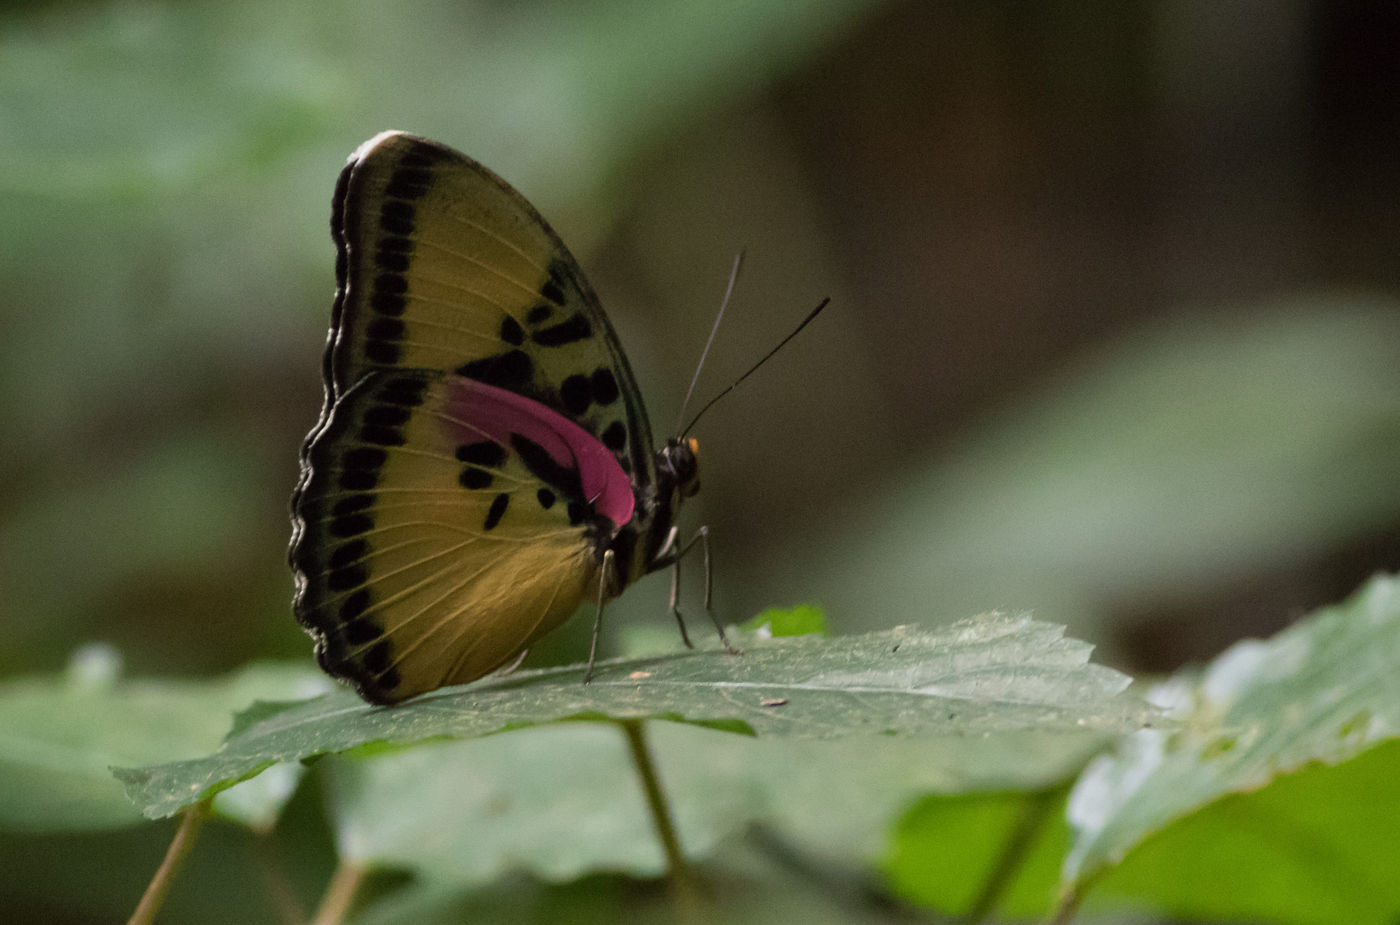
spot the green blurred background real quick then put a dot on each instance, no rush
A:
(1113, 338)
(1114, 335)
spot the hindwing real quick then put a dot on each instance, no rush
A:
(446, 524)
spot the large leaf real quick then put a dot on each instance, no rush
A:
(59, 737)
(970, 854)
(564, 800)
(983, 675)
(1303, 848)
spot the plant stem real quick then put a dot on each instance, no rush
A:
(1069, 901)
(191, 819)
(276, 884)
(682, 882)
(340, 893)
(1069, 905)
(1013, 854)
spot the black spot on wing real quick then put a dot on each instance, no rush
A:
(497, 511)
(376, 657)
(553, 288)
(351, 576)
(475, 479)
(511, 332)
(351, 525)
(388, 415)
(359, 468)
(382, 436)
(421, 155)
(615, 436)
(406, 390)
(397, 217)
(564, 479)
(571, 330)
(604, 386)
(359, 632)
(353, 504)
(482, 453)
(393, 253)
(355, 604)
(510, 370)
(383, 352)
(359, 479)
(546, 498)
(539, 314)
(576, 394)
(349, 553)
(391, 283)
(388, 303)
(387, 329)
(409, 183)
(388, 680)
(364, 457)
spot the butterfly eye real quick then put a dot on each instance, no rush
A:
(678, 461)
(688, 467)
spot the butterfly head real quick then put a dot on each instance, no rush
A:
(678, 465)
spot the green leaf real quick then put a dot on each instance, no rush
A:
(1324, 690)
(1315, 846)
(467, 812)
(947, 851)
(60, 735)
(983, 675)
(802, 620)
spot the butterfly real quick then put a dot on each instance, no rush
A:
(483, 463)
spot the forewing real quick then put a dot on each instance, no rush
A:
(442, 265)
(443, 525)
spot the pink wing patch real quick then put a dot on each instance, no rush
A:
(476, 410)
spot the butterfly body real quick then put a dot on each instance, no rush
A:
(483, 462)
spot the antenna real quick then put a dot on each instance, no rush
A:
(724, 303)
(752, 369)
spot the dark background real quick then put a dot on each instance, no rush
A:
(1113, 335)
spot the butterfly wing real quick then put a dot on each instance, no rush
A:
(417, 566)
(442, 265)
(446, 524)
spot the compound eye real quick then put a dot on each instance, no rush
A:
(685, 463)
(680, 458)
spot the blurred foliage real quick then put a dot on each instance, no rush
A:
(1113, 334)
(63, 735)
(166, 174)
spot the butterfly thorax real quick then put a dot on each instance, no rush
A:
(647, 542)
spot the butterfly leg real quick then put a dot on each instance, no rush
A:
(676, 597)
(603, 573)
(510, 669)
(702, 536)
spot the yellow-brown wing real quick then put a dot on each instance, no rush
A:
(442, 265)
(444, 525)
